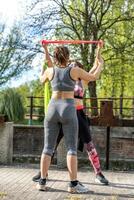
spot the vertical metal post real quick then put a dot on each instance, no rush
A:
(133, 108)
(107, 147)
(121, 106)
(31, 110)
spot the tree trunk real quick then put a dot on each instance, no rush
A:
(94, 102)
(92, 85)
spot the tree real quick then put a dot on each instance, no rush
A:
(84, 20)
(119, 56)
(15, 57)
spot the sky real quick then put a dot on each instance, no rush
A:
(10, 11)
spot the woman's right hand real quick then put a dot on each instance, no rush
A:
(47, 56)
(99, 58)
(44, 46)
(100, 44)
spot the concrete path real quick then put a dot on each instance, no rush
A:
(16, 184)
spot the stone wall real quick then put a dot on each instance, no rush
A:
(28, 142)
(6, 143)
(121, 142)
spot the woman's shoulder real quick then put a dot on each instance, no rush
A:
(75, 69)
(74, 72)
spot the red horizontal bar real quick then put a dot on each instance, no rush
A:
(70, 42)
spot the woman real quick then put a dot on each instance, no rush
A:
(85, 139)
(61, 110)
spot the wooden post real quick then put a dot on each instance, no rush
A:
(106, 119)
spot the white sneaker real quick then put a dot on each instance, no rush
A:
(100, 178)
(79, 188)
(41, 186)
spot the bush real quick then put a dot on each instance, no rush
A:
(11, 105)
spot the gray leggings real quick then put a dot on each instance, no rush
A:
(61, 111)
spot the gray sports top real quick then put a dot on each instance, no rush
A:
(61, 80)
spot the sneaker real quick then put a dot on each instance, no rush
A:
(41, 186)
(36, 178)
(100, 178)
(79, 188)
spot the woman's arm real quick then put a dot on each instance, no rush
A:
(98, 58)
(77, 73)
(44, 76)
(47, 56)
(95, 71)
(86, 76)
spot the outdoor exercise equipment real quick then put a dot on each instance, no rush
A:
(47, 93)
(71, 42)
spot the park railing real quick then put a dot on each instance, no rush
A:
(34, 107)
(123, 107)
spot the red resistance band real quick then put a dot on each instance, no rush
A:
(70, 42)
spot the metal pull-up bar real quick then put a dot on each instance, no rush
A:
(70, 42)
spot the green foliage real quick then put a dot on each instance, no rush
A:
(24, 92)
(11, 105)
(41, 114)
(33, 88)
